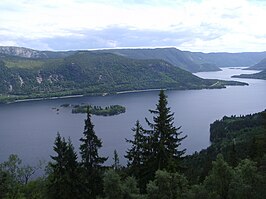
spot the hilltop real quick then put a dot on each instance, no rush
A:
(88, 72)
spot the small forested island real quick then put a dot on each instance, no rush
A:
(97, 110)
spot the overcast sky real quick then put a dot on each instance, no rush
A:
(195, 25)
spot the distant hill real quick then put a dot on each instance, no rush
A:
(96, 73)
(245, 59)
(260, 75)
(190, 61)
(259, 66)
(172, 55)
(34, 54)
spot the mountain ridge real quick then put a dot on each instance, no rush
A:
(190, 61)
(259, 66)
(259, 75)
(87, 72)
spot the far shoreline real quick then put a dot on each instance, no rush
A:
(46, 98)
(84, 95)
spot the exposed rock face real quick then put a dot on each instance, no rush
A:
(22, 52)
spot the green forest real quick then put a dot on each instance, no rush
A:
(98, 110)
(92, 73)
(233, 166)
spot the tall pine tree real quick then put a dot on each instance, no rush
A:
(135, 154)
(91, 162)
(138, 156)
(116, 164)
(63, 178)
(165, 138)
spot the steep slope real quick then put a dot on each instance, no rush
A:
(259, 66)
(190, 61)
(30, 53)
(236, 137)
(260, 75)
(96, 73)
(227, 59)
(172, 55)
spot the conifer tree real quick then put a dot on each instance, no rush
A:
(116, 164)
(63, 179)
(138, 156)
(91, 162)
(135, 154)
(164, 138)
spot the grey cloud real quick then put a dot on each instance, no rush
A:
(120, 37)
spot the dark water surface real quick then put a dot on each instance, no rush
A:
(29, 128)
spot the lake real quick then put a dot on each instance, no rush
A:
(29, 128)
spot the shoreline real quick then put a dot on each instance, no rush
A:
(140, 91)
(46, 98)
(111, 93)
(76, 96)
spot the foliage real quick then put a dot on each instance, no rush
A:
(226, 128)
(156, 148)
(173, 56)
(95, 73)
(114, 187)
(91, 162)
(136, 153)
(236, 138)
(116, 164)
(246, 183)
(165, 139)
(232, 167)
(98, 110)
(63, 179)
(220, 177)
(14, 177)
(167, 186)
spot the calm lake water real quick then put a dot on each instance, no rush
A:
(29, 128)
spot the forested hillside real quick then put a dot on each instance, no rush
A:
(174, 56)
(245, 59)
(236, 138)
(259, 66)
(190, 61)
(92, 73)
(260, 75)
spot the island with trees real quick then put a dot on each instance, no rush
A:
(97, 110)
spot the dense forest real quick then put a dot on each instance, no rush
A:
(233, 166)
(98, 110)
(91, 73)
(259, 75)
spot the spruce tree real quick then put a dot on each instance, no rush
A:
(116, 164)
(135, 154)
(91, 162)
(138, 156)
(165, 139)
(63, 179)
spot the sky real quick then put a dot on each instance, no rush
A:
(194, 25)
